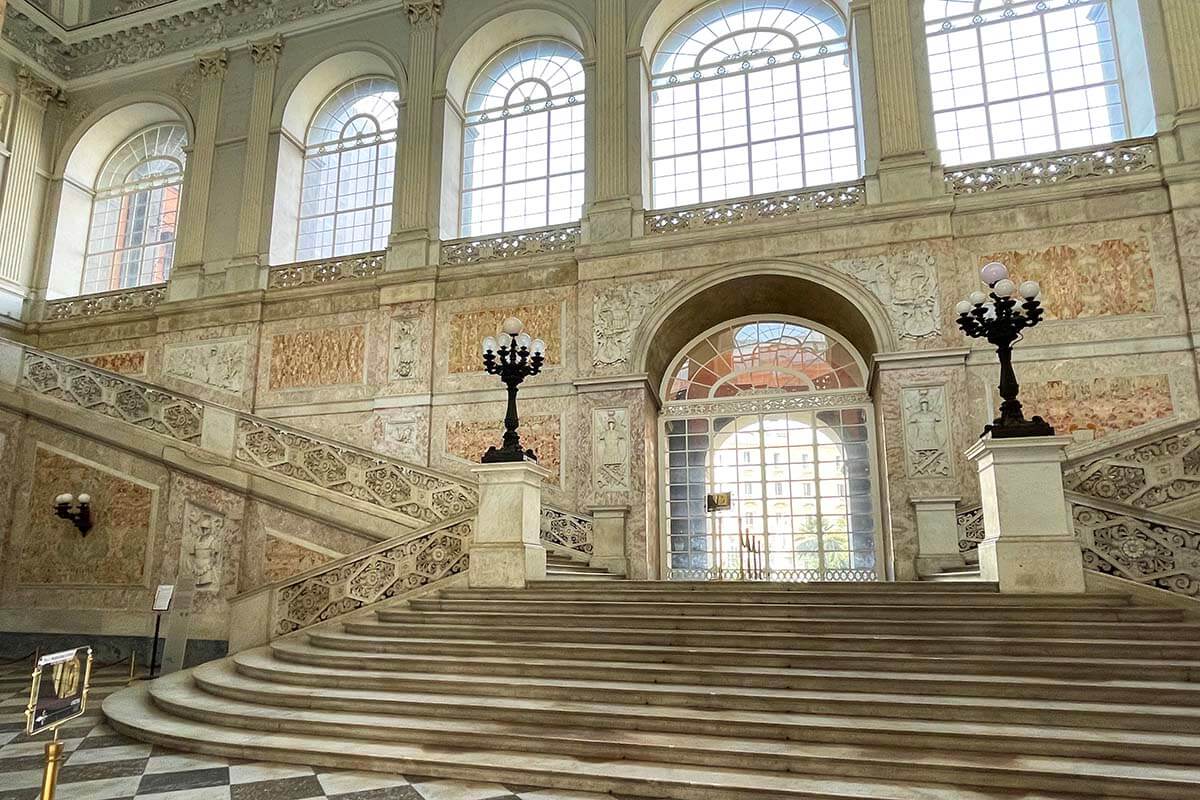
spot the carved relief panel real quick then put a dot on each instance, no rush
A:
(906, 284)
(617, 313)
(402, 348)
(203, 538)
(218, 364)
(1105, 404)
(542, 433)
(321, 357)
(610, 450)
(926, 432)
(129, 362)
(468, 330)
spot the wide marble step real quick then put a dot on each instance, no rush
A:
(1128, 664)
(300, 651)
(358, 684)
(824, 610)
(133, 713)
(1019, 771)
(877, 588)
(724, 594)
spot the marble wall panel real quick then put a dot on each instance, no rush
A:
(125, 362)
(314, 358)
(1103, 405)
(286, 556)
(468, 329)
(265, 561)
(541, 433)
(323, 358)
(214, 364)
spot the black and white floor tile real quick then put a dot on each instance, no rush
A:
(104, 765)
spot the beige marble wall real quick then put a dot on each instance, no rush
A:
(280, 543)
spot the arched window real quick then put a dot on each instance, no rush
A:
(752, 97)
(523, 140)
(1011, 79)
(349, 162)
(131, 241)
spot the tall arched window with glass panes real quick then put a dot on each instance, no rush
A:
(1011, 79)
(523, 140)
(752, 97)
(349, 165)
(131, 238)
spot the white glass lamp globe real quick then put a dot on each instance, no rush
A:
(62, 499)
(538, 347)
(489, 344)
(976, 298)
(992, 272)
(1004, 288)
(1030, 290)
(524, 340)
(963, 307)
(512, 326)
(85, 498)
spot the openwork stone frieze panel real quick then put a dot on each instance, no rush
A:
(353, 473)
(754, 209)
(1146, 551)
(351, 584)
(143, 298)
(112, 396)
(511, 245)
(317, 273)
(1118, 159)
(970, 528)
(766, 405)
(1159, 474)
(567, 530)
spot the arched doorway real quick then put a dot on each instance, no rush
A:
(771, 410)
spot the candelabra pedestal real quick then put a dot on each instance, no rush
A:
(1029, 542)
(507, 550)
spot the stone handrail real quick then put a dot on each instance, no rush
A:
(91, 305)
(753, 209)
(1119, 158)
(1156, 472)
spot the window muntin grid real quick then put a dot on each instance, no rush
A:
(131, 236)
(752, 97)
(523, 140)
(1011, 79)
(349, 170)
(800, 480)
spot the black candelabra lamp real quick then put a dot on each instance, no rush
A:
(77, 510)
(997, 318)
(514, 358)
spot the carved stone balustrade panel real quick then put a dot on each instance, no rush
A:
(324, 271)
(1146, 551)
(511, 245)
(970, 528)
(754, 209)
(567, 530)
(1162, 474)
(1118, 159)
(143, 298)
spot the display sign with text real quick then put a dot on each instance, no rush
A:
(60, 689)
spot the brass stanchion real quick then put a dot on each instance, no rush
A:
(132, 666)
(54, 754)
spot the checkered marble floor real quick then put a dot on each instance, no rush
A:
(104, 765)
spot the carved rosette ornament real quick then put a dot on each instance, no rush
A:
(423, 11)
(266, 52)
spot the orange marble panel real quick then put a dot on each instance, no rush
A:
(284, 558)
(322, 357)
(1104, 405)
(1096, 279)
(540, 433)
(467, 332)
(131, 362)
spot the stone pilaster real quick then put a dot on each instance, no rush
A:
(412, 236)
(16, 206)
(187, 274)
(265, 55)
(899, 143)
(1181, 24)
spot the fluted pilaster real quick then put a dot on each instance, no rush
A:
(607, 98)
(1182, 18)
(411, 202)
(190, 248)
(265, 55)
(895, 79)
(16, 206)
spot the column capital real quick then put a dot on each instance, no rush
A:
(265, 52)
(38, 90)
(212, 66)
(423, 11)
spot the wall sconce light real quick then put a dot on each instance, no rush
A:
(77, 510)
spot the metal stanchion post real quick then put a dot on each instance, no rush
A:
(54, 753)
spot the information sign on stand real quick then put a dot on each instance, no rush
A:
(162, 603)
(57, 695)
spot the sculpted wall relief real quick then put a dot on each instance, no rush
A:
(926, 432)
(218, 363)
(286, 556)
(321, 357)
(906, 285)
(203, 539)
(468, 330)
(402, 352)
(610, 450)
(129, 362)
(617, 313)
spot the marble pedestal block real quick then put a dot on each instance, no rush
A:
(1029, 544)
(608, 538)
(507, 551)
(937, 534)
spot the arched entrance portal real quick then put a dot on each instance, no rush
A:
(773, 411)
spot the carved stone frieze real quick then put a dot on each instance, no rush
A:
(754, 209)
(970, 528)
(320, 357)
(323, 271)
(1159, 474)
(617, 312)
(402, 357)
(217, 364)
(468, 329)
(610, 450)
(510, 245)
(128, 362)
(203, 537)
(926, 432)
(143, 298)
(906, 285)
(1117, 159)
(388, 571)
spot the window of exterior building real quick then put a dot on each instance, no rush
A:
(349, 164)
(1011, 79)
(523, 140)
(131, 241)
(752, 97)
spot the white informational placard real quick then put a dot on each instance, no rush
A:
(162, 597)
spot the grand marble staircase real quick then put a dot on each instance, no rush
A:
(902, 691)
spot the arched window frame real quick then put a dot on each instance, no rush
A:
(510, 188)
(978, 118)
(794, 151)
(132, 226)
(336, 224)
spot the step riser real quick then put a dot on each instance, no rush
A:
(981, 777)
(1030, 667)
(849, 627)
(951, 645)
(878, 588)
(964, 614)
(665, 697)
(619, 593)
(732, 678)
